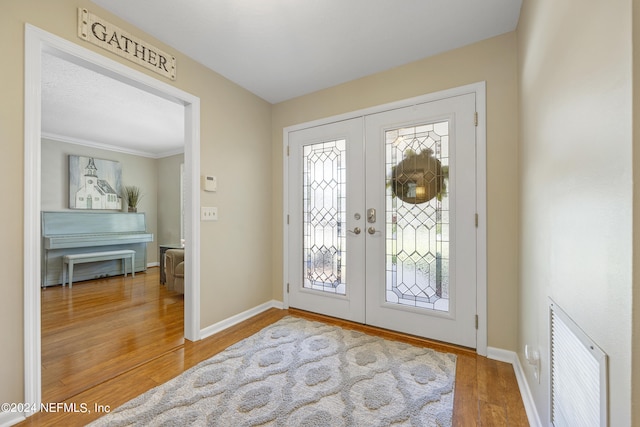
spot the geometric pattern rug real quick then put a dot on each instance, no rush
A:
(297, 372)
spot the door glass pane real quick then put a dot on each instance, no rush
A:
(417, 216)
(324, 213)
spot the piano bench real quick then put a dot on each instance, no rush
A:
(72, 259)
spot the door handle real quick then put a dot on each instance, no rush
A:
(355, 231)
(372, 231)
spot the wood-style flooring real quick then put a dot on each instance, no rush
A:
(106, 341)
(99, 329)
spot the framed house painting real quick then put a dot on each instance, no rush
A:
(94, 183)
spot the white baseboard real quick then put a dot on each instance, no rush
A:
(233, 320)
(501, 355)
(10, 418)
(153, 264)
(527, 398)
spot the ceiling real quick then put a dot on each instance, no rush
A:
(84, 107)
(276, 49)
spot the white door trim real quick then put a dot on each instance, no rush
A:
(481, 190)
(37, 41)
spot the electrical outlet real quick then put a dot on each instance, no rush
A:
(208, 213)
(533, 357)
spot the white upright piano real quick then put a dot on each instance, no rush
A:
(72, 232)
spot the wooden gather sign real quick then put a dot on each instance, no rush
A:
(101, 33)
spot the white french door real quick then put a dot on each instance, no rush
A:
(327, 246)
(382, 212)
(421, 258)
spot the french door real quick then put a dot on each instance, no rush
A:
(382, 219)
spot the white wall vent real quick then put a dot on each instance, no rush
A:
(578, 375)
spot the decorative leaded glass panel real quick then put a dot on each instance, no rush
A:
(417, 216)
(324, 213)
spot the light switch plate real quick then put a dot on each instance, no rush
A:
(208, 213)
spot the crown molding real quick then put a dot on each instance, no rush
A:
(102, 146)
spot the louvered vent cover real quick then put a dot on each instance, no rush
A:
(578, 375)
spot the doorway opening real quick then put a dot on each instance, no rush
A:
(36, 42)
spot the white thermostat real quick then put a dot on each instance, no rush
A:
(210, 183)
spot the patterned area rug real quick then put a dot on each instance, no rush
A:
(302, 373)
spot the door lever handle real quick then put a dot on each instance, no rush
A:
(355, 231)
(372, 231)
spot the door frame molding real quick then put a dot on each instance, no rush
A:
(479, 89)
(37, 41)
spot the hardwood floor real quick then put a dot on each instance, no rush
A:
(99, 329)
(119, 350)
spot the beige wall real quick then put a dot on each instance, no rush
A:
(576, 181)
(493, 61)
(136, 170)
(235, 140)
(169, 199)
